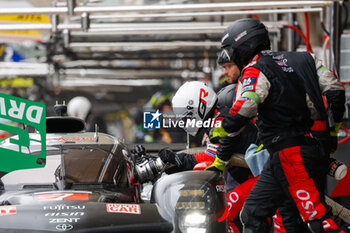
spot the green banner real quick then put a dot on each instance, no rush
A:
(16, 153)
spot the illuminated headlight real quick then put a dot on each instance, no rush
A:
(194, 219)
(196, 230)
(193, 222)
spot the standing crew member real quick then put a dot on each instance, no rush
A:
(272, 89)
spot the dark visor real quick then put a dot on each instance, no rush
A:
(224, 57)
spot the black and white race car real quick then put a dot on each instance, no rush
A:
(92, 182)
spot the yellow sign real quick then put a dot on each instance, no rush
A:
(28, 34)
(17, 82)
(26, 18)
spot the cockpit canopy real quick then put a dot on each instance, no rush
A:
(81, 158)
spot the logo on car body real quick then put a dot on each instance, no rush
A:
(64, 227)
(62, 196)
(7, 210)
(124, 208)
(17, 154)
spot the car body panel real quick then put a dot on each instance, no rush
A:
(90, 184)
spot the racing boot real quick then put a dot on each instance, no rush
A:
(254, 224)
(316, 226)
(331, 224)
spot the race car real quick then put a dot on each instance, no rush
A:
(92, 182)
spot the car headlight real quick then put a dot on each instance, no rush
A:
(196, 230)
(193, 222)
(193, 201)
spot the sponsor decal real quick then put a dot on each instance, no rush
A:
(64, 214)
(212, 146)
(210, 152)
(64, 207)
(287, 69)
(307, 204)
(7, 210)
(151, 120)
(124, 208)
(240, 35)
(211, 149)
(278, 57)
(233, 197)
(243, 98)
(282, 63)
(202, 106)
(64, 227)
(25, 112)
(275, 222)
(248, 88)
(249, 81)
(329, 224)
(75, 139)
(63, 220)
(220, 188)
(275, 139)
(63, 196)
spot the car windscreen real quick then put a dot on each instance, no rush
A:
(85, 166)
(94, 165)
(81, 165)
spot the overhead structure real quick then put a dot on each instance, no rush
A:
(89, 40)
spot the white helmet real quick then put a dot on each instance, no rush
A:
(194, 100)
(79, 106)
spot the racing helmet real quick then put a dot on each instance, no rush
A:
(243, 39)
(196, 101)
(225, 98)
(79, 106)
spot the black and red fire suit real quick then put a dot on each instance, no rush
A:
(285, 219)
(271, 88)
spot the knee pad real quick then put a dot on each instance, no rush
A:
(253, 224)
(244, 217)
(315, 226)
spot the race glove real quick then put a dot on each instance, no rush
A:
(181, 160)
(335, 130)
(218, 165)
(216, 134)
(167, 156)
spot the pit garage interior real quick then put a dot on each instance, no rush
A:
(121, 53)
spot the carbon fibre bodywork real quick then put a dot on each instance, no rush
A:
(88, 185)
